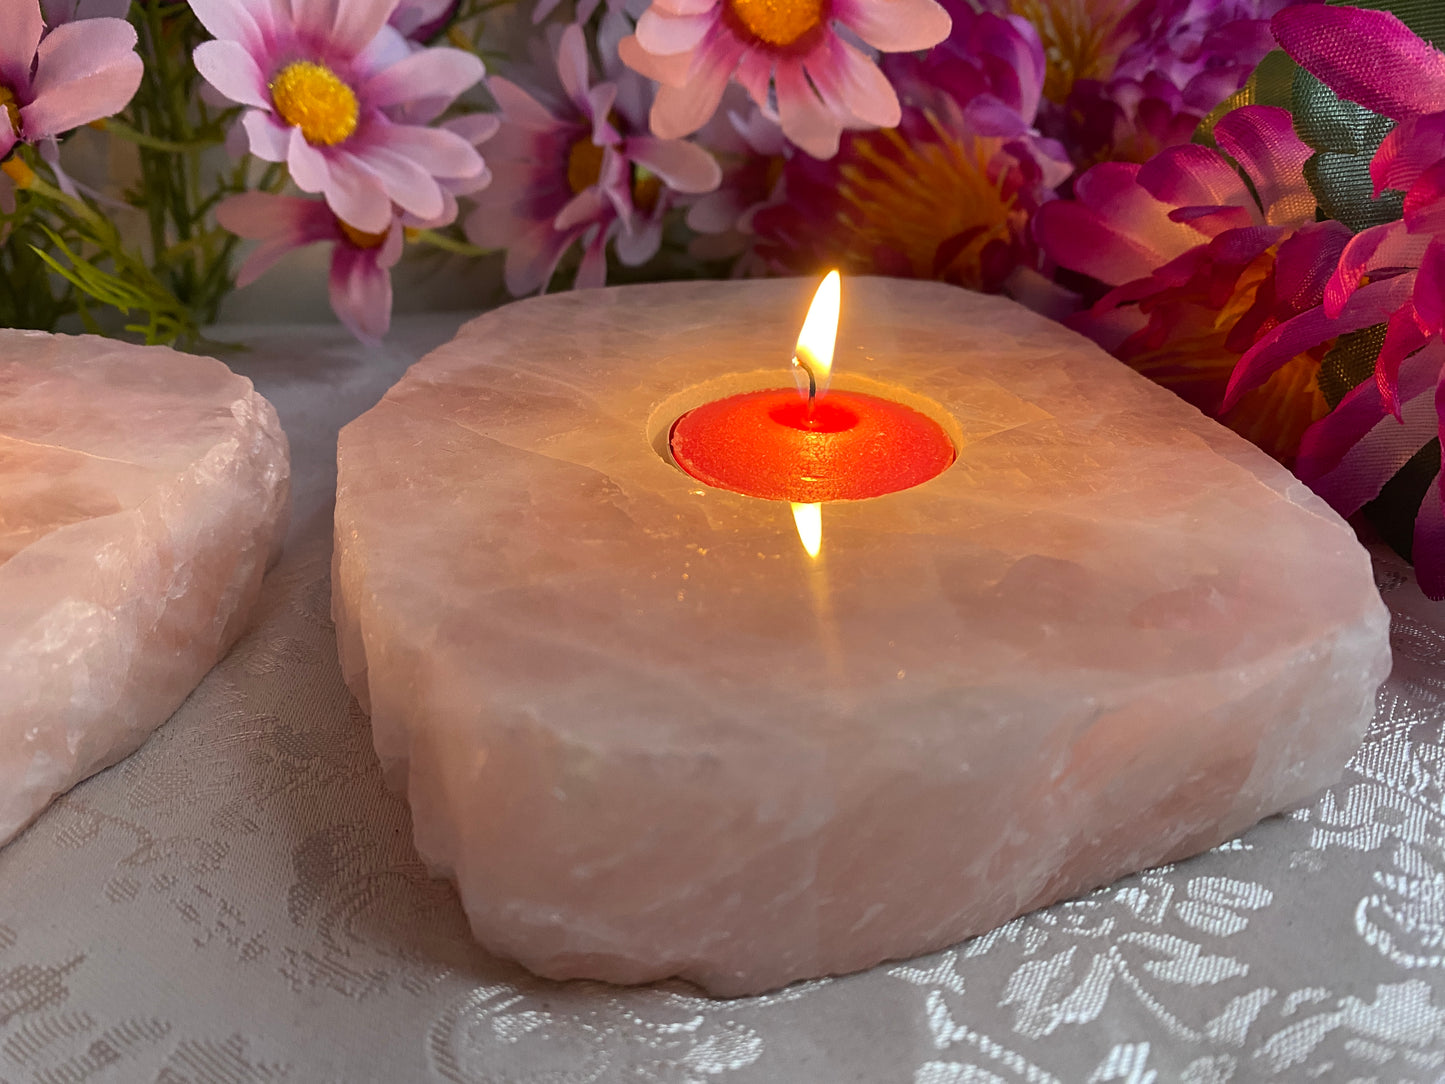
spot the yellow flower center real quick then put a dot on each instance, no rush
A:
(916, 198)
(646, 189)
(778, 22)
(18, 171)
(360, 238)
(584, 165)
(1081, 39)
(11, 108)
(315, 99)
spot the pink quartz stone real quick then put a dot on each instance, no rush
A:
(647, 736)
(142, 492)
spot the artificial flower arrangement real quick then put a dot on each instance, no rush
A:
(1242, 199)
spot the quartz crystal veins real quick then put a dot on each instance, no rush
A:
(142, 492)
(647, 736)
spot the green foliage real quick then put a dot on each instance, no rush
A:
(159, 266)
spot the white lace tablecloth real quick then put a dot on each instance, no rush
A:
(240, 901)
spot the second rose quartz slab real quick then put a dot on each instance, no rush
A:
(142, 492)
(647, 736)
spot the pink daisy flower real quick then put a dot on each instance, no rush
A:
(80, 72)
(324, 83)
(582, 170)
(361, 263)
(823, 84)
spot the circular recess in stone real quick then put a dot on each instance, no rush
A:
(647, 735)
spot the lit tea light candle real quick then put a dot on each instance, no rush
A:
(815, 446)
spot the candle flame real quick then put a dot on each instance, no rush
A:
(809, 519)
(814, 352)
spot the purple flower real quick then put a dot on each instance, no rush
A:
(1200, 262)
(948, 193)
(580, 170)
(341, 98)
(361, 262)
(1392, 274)
(79, 73)
(754, 153)
(1127, 78)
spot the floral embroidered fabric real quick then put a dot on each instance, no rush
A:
(240, 901)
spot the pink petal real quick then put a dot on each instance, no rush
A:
(1370, 305)
(307, 165)
(1403, 337)
(440, 152)
(1429, 295)
(353, 23)
(1369, 57)
(1427, 549)
(670, 71)
(895, 26)
(408, 185)
(852, 84)
(680, 111)
(20, 30)
(532, 258)
(685, 167)
(806, 121)
(281, 223)
(1377, 457)
(684, 7)
(1261, 138)
(7, 187)
(102, 91)
(573, 67)
(1326, 443)
(592, 271)
(666, 35)
(360, 292)
(235, 20)
(519, 107)
(1115, 230)
(1425, 202)
(228, 67)
(1409, 148)
(1191, 175)
(636, 248)
(583, 207)
(426, 74)
(358, 196)
(269, 139)
(1386, 247)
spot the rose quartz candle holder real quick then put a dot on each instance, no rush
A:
(647, 735)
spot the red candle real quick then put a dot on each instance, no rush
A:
(811, 447)
(850, 445)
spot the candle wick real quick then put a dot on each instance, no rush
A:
(812, 382)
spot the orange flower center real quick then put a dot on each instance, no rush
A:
(917, 198)
(315, 99)
(360, 238)
(11, 108)
(778, 22)
(584, 165)
(1080, 38)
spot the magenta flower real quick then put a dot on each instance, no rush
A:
(822, 83)
(580, 171)
(360, 283)
(1392, 274)
(80, 72)
(325, 85)
(1201, 262)
(946, 195)
(1127, 78)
